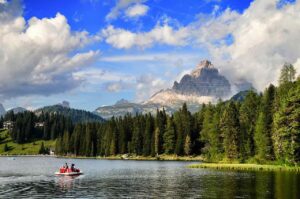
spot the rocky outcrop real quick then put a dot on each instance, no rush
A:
(205, 80)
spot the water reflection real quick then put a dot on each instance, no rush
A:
(66, 183)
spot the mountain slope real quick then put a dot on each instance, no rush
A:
(75, 114)
(123, 107)
(18, 110)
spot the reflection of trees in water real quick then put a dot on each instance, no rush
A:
(252, 185)
(287, 185)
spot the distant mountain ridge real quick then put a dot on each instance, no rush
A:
(75, 114)
(123, 107)
(18, 110)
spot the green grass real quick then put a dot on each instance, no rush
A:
(245, 167)
(31, 148)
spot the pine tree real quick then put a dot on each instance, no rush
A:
(207, 131)
(287, 74)
(169, 137)
(148, 134)
(230, 129)
(6, 148)
(263, 128)
(42, 149)
(187, 145)
(286, 134)
(248, 117)
(157, 141)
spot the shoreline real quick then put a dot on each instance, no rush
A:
(119, 157)
(141, 158)
(244, 167)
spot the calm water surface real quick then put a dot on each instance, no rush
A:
(32, 177)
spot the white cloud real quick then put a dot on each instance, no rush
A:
(120, 7)
(147, 85)
(97, 76)
(136, 10)
(160, 34)
(177, 58)
(39, 56)
(264, 38)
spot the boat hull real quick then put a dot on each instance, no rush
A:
(68, 174)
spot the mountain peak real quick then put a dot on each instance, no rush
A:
(64, 104)
(203, 65)
(122, 101)
(205, 80)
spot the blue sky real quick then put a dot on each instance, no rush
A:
(95, 52)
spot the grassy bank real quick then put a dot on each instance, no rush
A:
(31, 148)
(245, 167)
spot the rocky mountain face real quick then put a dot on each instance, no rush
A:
(2, 110)
(205, 80)
(203, 85)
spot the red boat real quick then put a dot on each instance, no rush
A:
(68, 172)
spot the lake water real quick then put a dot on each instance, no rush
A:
(33, 177)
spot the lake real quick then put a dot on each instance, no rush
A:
(33, 177)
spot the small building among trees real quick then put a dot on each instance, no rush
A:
(39, 124)
(8, 125)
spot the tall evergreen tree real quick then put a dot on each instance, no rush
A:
(248, 116)
(157, 141)
(188, 145)
(263, 128)
(230, 129)
(286, 135)
(287, 74)
(169, 137)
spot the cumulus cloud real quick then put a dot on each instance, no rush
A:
(160, 34)
(137, 10)
(38, 56)
(148, 85)
(263, 39)
(124, 5)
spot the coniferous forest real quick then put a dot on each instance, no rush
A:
(260, 128)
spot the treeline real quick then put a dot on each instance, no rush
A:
(25, 128)
(77, 116)
(262, 127)
(142, 135)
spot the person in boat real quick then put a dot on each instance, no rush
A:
(66, 166)
(73, 168)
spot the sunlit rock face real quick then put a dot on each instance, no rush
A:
(205, 80)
